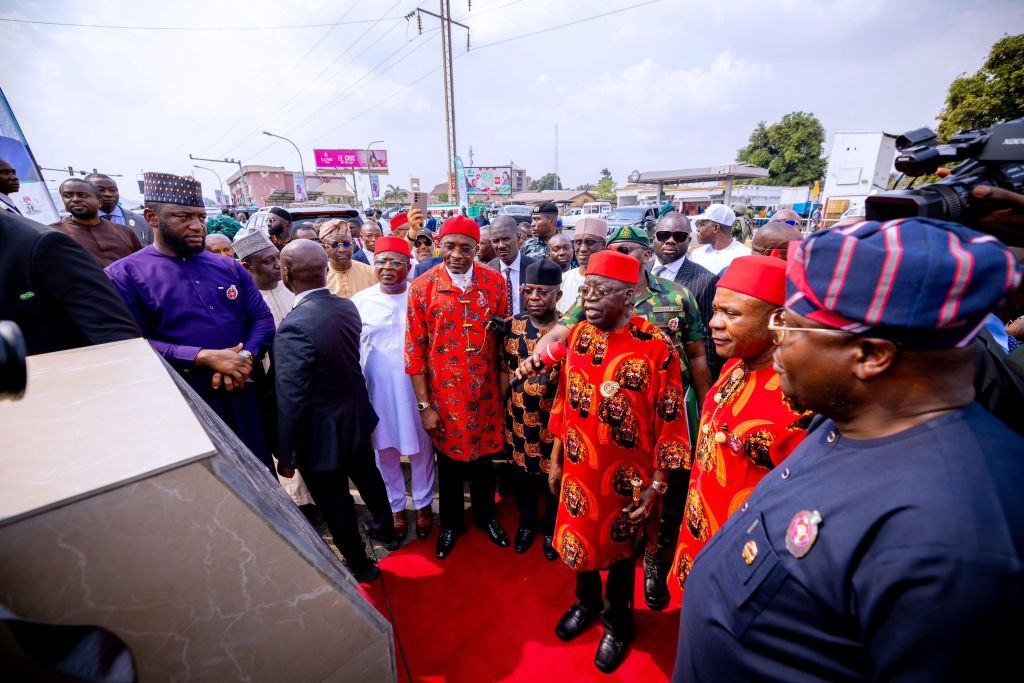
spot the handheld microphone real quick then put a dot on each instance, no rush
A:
(551, 356)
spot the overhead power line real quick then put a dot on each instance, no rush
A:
(221, 27)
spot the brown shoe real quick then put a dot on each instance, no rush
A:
(401, 526)
(424, 522)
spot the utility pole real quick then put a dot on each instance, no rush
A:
(445, 18)
(558, 179)
(302, 166)
(241, 176)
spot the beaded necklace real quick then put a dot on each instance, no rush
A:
(723, 397)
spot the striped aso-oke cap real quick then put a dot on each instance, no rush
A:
(916, 281)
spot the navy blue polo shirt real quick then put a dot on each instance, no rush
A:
(916, 572)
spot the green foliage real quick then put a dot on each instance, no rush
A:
(606, 185)
(548, 181)
(442, 197)
(995, 93)
(789, 149)
(394, 195)
(586, 187)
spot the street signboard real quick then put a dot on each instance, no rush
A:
(489, 180)
(373, 160)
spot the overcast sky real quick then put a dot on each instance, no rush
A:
(669, 84)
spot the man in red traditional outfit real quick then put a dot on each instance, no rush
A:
(747, 426)
(620, 422)
(454, 359)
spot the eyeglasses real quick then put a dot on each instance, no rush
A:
(626, 249)
(529, 290)
(595, 293)
(777, 327)
(340, 243)
(678, 236)
(389, 263)
(423, 241)
(589, 244)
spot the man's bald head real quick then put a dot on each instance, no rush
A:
(783, 215)
(219, 244)
(303, 266)
(772, 236)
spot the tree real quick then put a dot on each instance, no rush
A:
(994, 94)
(586, 187)
(548, 181)
(605, 188)
(789, 149)
(442, 197)
(393, 193)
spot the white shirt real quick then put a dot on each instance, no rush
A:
(716, 260)
(514, 276)
(461, 281)
(667, 270)
(572, 280)
(279, 300)
(302, 295)
(382, 356)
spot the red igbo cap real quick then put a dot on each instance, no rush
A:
(618, 266)
(399, 219)
(762, 277)
(461, 225)
(392, 244)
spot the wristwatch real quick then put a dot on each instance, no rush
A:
(246, 354)
(422, 406)
(659, 487)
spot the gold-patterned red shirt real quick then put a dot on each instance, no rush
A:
(620, 415)
(747, 427)
(447, 340)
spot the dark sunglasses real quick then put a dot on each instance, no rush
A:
(590, 244)
(421, 241)
(340, 243)
(678, 236)
(623, 249)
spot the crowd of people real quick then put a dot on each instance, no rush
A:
(815, 440)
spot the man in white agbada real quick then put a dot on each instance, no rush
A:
(263, 261)
(382, 354)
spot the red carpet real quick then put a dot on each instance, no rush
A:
(488, 614)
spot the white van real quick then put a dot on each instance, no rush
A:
(601, 209)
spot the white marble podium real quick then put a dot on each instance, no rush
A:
(119, 508)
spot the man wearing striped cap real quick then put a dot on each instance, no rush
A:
(889, 545)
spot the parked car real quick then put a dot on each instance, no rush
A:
(643, 217)
(302, 215)
(520, 212)
(571, 216)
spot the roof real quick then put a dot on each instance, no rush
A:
(258, 169)
(699, 175)
(555, 196)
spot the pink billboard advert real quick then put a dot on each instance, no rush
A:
(375, 160)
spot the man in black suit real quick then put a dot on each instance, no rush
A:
(324, 415)
(671, 239)
(55, 291)
(111, 211)
(510, 262)
(425, 266)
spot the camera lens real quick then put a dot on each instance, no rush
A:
(13, 373)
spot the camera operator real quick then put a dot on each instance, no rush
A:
(54, 290)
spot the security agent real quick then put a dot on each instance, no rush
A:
(889, 545)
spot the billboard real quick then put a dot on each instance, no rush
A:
(489, 180)
(375, 160)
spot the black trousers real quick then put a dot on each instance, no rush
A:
(616, 608)
(451, 474)
(330, 492)
(528, 489)
(673, 504)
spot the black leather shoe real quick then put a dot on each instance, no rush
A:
(524, 538)
(370, 573)
(610, 652)
(388, 539)
(655, 589)
(497, 534)
(445, 543)
(549, 548)
(573, 622)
